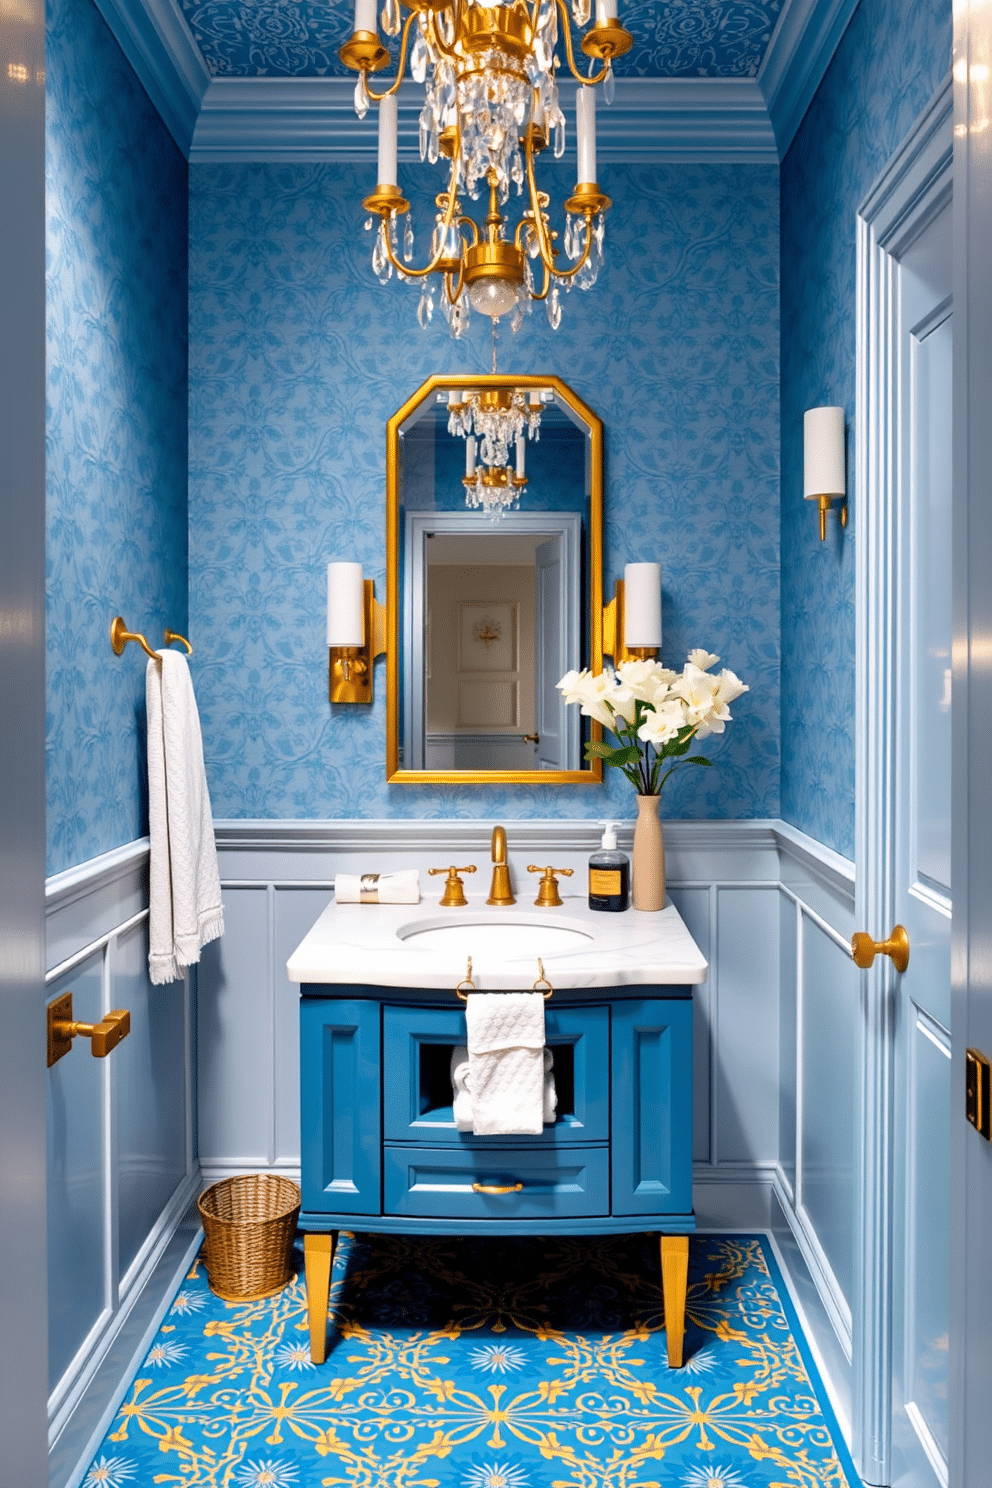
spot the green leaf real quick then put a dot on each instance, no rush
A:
(598, 749)
(629, 756)
(697, 759)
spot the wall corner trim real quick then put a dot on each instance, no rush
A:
(803, 43)
(156, 40)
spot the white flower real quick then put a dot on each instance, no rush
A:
(188, 1302)
(730, 687)
(590, 693)
(495, 1475)
(663, 722)
(697, 690)
(498, 1358)
(269, 1474)
(166, 1353)
(713, 1477)
(639, 682)
(703, 659)
(727, 688)
(294, 1356)
(109, 1472)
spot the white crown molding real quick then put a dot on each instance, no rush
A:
(652, 121)
(805, 38)
(95, 873)
(155, 39)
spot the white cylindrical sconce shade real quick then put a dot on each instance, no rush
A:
(387, 141)
(365, 15)
(585, 134)
(823, 453)
(345, 604)
(642, 604)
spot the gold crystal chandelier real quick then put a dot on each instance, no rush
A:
(491, 106)
(495, 424)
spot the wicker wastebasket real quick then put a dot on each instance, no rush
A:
(249, 1223)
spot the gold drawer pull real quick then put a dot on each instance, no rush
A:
(496, 1188)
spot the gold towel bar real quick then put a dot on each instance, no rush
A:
(119, 637)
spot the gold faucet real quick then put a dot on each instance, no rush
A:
(500, 891)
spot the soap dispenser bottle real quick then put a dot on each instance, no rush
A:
(609, 874)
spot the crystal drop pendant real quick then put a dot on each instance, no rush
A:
(554, 308)
(517, 318)
(361, 97)
(391, 18)
(408, 240)
(609, 85)
(368, 224)
(418, 58)
(580, 11)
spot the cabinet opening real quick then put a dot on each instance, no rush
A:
(435, 1079)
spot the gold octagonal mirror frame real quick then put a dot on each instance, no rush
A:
(396, 774)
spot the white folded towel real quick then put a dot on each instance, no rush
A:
(378, 888)
(506, 1062)
(461, 1083)
(185, 908)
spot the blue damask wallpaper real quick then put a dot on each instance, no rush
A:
(116, 424)
(300, 38)
(297, 358)
(888, 65)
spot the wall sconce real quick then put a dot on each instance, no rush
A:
(356, 632)
(824, 478)
(632, 619)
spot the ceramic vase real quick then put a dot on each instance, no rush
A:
(648, 869)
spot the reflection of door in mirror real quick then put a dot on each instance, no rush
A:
(493, 620)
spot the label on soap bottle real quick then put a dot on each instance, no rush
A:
(605, 881)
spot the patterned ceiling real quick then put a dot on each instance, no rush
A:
(300, 38)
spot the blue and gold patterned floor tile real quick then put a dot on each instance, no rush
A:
(485, 1364)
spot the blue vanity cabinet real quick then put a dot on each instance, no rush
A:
(380, 1150)
(340, 1083)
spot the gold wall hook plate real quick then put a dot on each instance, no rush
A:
(864, 949)
(112, 1028)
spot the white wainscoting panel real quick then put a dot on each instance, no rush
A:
(121, 1165)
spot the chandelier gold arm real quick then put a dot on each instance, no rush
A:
(587, 82)
(438, 40)
(401, 66)
(595, 203)
(449, 217)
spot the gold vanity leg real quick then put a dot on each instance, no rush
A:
(318, 1253)
(674, 1276)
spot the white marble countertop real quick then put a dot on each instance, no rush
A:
(377, 945)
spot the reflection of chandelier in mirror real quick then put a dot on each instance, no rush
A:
(491, 105)
(492, 422)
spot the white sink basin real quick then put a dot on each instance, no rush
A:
(511, 938)
(406, 945)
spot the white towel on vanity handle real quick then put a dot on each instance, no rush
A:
(185, 907)
(506, 1062)
(378, 888)
(462, 1094)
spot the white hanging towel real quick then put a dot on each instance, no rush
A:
(506, 1062)
(461, 1090)
(185, 903)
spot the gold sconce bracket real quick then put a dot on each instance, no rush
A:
(351, 675)
(826, 502)
(103, 1036)
(547, 892)
(613, 641)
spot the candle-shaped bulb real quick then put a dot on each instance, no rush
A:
(585, 131)
(387, 141)
(606, 11)
(521, 455)
(365, 15)
(470, 455)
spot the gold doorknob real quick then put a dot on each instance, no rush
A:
(864, 949)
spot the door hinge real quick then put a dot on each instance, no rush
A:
(978, 1105)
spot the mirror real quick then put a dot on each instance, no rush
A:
(487, 612)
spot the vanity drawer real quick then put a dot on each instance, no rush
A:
(436, 1182)
(416, 1096)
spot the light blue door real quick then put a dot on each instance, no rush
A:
(922, 863)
